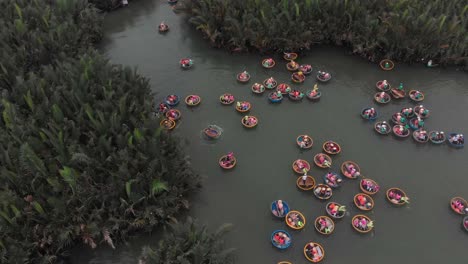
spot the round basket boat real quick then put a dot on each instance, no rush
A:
(350, 169)
(172, 100)
(399, 119)
(323, 78)
(167, 124)
(383, 88)
(326, 163)
(418, 132)
(422, 114)
(243, 106)
(276, 211)
(283, 88)
(386, 65)
(296, 95)
(465, 223)
(304, 141)
(212, 131)
(368, 116)
(329, 225)
(416, 96)
(173, 114)
(397, 94)
(226, 166)
(295, 220)
(313, 96)
(192, 100)
(258, 88)
(243, 79)
(163, 108)
(307, 184)
(401, 131)
(323, 191)
(298, 77)
(290, 56)
(456, 144)
(275, 98)
(270, 83)
(407, 112)
(382, 99)
(186, 63)
(292, 66)
(249, 124)
(459, 205)
(306, 69)
(300, 168)
(382, 128)
(437, 137)
(314, 252)
(335, 210)
(332, 179)
(268, 63)
(331, 147)
(362, 224)
(163, 28)
(397, 196)
(285, 237)
(369, 186)
(227, 99)
(368, 202)
(414, 124)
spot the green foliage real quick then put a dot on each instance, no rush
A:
(401, 30)
(83, 158)
(190, 243)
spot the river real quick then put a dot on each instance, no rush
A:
(425, 231)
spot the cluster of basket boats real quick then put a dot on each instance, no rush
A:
(407, 118)
(325, 224)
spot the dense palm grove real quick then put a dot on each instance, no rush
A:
(404, 30)
(190, 243)
(82, 157)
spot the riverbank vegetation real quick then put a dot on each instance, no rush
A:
(402, 30)
(83, 158)
(190, 243)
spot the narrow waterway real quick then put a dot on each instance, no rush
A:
(425, 231)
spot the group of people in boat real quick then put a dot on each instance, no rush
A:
(399, 118)
(295, 220)
(382, 97)
(172, 114)
(352, 170)
(276, 95)
(281, 238)
(244, 76)
(383, 127)
(421, 135)
(192, 99)
(305, 142)
(457, 139)
(361, 223)
(459, 207)
(363, 202)
(421, 111)
(408, 111)
(227, 98)
(304, 180)
(163, 108)
(228, 160)
(332, 179)
(335, 210)
(370, 113)
(292, 65)
(417, 95)
(298, 76)
(314, 92)
(384, 85)
(249, 120)
(279, 210)
(323, 161)
(186, 62)
(243, 106)
(301, 166)
(268, 62)
(370, 186)
(323, 75)
(172, 99)
(400, 130)
(314, 252)
(324, 225)
(438, 136)
(418, 122)
(322, 191)
(167, 123)
(296, 94)
(332, 147)
(395, 196)
(270, 83)
(306, 68)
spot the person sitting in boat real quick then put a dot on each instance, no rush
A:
(167, 123)
(362, 201)
(314, 252)
(270, 82)
(333, 208)
(279, 211)
(244, 75)
(370, 187)
(400, 87)
(288, 55)
(192, 100)
(299, 76)
(382, 127)
(163, 27)
(163, 107)
(457, 139)
(331, 147)
(352, 170)
(400, 118)
(172, 98)
(333, 179)
(419, 122)
(323, 75)
(440, 135)
(306, 67)
(323, 161)
(293, 64)
(268, 62)
(296, 94)
(381, 97)
(172, 114)
(186, 62)
(407, 111)
(304, 179)
(384, 85)
(324, 225)
(417, 95)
